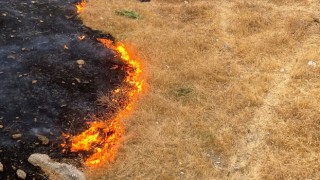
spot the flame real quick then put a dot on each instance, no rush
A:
(103, 137)
(80, 6)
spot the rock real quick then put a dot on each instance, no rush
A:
(17, 136)
(11, 57)
(54, 169)
(1, 126)
(44, 140)
(1, 167)
(34, 81)
(81, 62)
(21, 174)
(78, 80)
(312, 64)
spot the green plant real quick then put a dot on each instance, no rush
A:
(183, 91)
(128, 14)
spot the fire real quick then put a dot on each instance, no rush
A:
(102, 138)
(133, 78)
(80, 6)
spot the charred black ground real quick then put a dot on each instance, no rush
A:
(43, 90)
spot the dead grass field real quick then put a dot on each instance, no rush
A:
(230, 93)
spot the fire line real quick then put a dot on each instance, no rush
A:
(80, 6)
(102, 138)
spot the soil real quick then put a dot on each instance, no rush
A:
(44, 91)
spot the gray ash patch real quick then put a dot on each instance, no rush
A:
(43, 90)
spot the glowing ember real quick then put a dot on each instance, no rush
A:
(103, 137)
(80, 6)
(81, 37)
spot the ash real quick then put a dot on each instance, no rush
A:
(49, 80)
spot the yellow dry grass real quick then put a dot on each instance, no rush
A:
(229, 95)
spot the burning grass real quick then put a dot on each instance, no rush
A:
(211, 66)
(102, 137)
(80, 6)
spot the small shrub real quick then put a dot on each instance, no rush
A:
(183, 92)
(128, 14)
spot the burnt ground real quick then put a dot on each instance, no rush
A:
(43, 91)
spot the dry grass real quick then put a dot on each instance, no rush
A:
(210, 66)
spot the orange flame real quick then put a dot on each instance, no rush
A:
(80, 6)
(103, 138)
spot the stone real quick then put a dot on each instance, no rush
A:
(81, 62)
(312, 64)
(17, 136)
(21, 174)
(44, 140)
(78, 80)
(1, 167)
(54, 169)
(34, 81)
(11, 57)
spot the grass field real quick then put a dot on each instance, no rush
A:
(230, 94)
